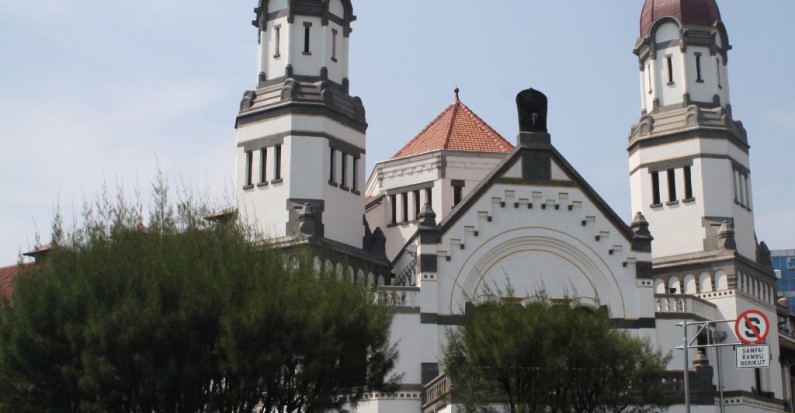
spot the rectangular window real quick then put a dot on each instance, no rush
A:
(717, 68)
(334, 45)
(355, 178)
(457, 194)
(742, 190)
(429, 196)
(249, 166)
(417, 206)
(688, 183)
(670, 63)
(404, 197)
(736, 186)
(671, 185)
(263, 164)
(747, 192)
(648, 69)
(393, 205)
(277, 163)
(332, 170)
(307, 27)
(344, 171)
(655, 188)
(698, 68)
(277, 37)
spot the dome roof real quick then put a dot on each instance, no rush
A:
(687, 12)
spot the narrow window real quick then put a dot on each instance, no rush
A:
(405, 198)
(277, 163)
(332, 170)
(698, 68)
(263, 163)
(334, 45)
(355, 171)
(655, 188)
(671, 185)
(717, 69)
(429, 196)
(456, 195)
(747, 192)
(393, 204)
(307, 26)
(736, 186)
(249, 166)
(688, 183)
(670, 64)
(458, 191)
(649, 72)
(277, 36)
(417, 205)
(344, 171)
(742, 190)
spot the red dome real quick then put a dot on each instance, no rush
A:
(688, 12)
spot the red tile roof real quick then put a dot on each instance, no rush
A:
(7, 277)
(689, 13)
(456, 129)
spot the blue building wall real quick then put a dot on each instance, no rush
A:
(784, 263)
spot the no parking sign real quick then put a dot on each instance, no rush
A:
(752, 327)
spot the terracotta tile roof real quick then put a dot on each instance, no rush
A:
(7, 277)
(456, 129)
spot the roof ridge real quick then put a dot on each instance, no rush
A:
(456, 105)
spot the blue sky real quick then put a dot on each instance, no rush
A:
(95, 92)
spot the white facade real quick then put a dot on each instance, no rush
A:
(301, 137)
(460, 224)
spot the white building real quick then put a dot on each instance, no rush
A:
(460, 209)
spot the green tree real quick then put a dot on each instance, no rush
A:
(544, 358)
(185, 316)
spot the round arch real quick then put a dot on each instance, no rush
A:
(538, 260)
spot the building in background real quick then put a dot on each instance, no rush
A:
(784, 266)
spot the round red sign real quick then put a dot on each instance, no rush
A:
(752, 327)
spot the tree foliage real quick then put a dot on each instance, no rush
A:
(186, 316)
(544, 358)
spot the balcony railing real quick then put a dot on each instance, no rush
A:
(685, 304)
(399, 296)
(437, 393)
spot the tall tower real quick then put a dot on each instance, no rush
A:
(689, 166)
(690, 177)
(300, 135)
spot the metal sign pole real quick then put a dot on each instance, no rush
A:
(687, 370)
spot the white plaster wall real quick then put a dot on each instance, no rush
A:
(297, 123)
(412, 339)
(669, 93)
(308, 65)
(390, 405)
(337, 70)
(274, 67)
(335, 7)
(705, 90)
(302, 177)
(678, 229)
(257, 204)
(666, 32)
(565, 259)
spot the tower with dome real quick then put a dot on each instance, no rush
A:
(460, 208)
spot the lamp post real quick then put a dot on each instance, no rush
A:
(718, 337)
